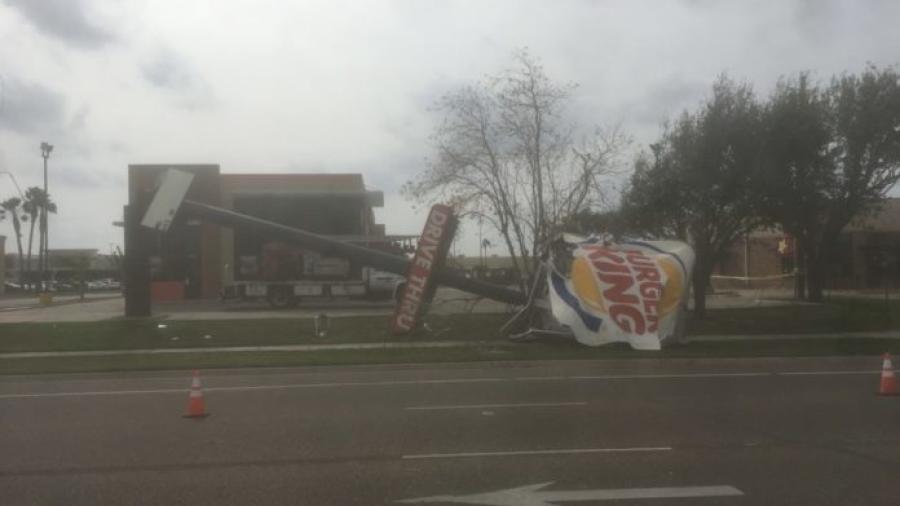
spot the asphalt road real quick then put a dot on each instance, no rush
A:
(661, 432)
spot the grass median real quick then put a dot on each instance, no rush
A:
(846, 315)
(835, 315)
(476, 333)
(130, 334)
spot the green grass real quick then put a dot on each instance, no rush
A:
(494, 352)
(147, 333)
(845, 315)
(837, 315)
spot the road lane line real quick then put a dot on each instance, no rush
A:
(642, 493)
(675, 376)
(95, 393)
(446, 381)
(449, 381)
(537, 494)
(573, 451)
(254, 387)
(486, 406)
(541, 378)
(823, 373)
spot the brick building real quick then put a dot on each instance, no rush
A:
(866, 256)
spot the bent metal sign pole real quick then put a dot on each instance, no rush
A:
(420, 277)
(169, 201)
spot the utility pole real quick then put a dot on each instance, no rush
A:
(46, 149)
(480, 246)
(15, 183)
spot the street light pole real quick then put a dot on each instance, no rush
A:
(46, 149)
(15, 183)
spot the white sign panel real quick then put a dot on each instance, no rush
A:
(168, 198)
(630, 292)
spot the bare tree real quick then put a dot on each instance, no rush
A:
(505, 153)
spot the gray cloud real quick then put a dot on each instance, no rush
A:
(68, 20)
(79, 120)
(27, 107)
(666, 100)
(83, 176)
(348, 87)
(169, 72)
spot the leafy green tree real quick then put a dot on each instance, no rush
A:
(697, 184)
(653, 204)
(831, 155)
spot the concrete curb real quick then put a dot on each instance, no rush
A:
(245, 349)
(889, 334)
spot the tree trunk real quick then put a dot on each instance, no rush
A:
(700, 283)
(17, 226)
(520, 274)
(30, 244)
(800, 270)
(815, 270)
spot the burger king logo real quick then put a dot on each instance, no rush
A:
(628, 285)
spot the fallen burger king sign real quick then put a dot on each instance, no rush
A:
(629, 292)
(430, 254)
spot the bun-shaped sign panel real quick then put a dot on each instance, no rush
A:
(631, 292)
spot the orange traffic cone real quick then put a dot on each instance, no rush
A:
(196, 407)
(888, 382)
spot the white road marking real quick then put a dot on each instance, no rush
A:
(445, 381)
(234, 349)
(533, 495)
(95, 393)
(572, 451)
(252, 388)
(675, 376)
(823, 373)
(542, 378)
(488, 406)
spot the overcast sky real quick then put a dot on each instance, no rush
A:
(277, 86)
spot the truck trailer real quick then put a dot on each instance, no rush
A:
(285, 274)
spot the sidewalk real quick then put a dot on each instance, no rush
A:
(18, 301)
(112, 306)
(412, 345)
(243, 349)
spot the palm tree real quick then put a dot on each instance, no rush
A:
(12, 206)
(31, 209)
(35, 200)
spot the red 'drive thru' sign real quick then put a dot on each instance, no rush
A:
(430, 254)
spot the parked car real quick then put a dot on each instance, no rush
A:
(384, 285)
(104, 284)
(12, 287)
